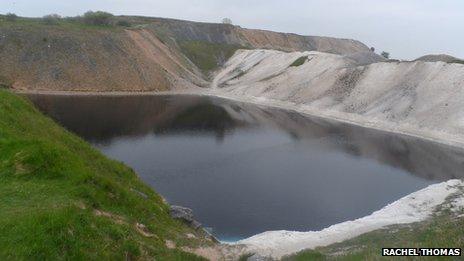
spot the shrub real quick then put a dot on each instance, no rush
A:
(124, 23)
(386, 55)
(97, 18)
(207, 56)
(51, 19)
(11, 17)
(226, 21)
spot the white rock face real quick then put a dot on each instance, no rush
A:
(418, 98)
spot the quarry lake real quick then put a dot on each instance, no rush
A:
(246, 169)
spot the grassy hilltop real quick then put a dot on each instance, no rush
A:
(62, 199)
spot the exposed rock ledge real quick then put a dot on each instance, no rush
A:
(186, 215)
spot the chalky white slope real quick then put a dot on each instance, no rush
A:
(419, 98)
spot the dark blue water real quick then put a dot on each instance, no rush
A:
(245, 169)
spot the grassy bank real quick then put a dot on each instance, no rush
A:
(62, 199)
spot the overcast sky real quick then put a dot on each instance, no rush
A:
(405, 28)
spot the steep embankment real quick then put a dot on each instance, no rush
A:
(418, 98)
(62, 199)
(152, 54)
(82, 58)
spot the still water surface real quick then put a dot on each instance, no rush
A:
(245, 169)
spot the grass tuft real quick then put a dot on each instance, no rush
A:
(299, 61)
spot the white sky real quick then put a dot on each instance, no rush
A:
(405, 28)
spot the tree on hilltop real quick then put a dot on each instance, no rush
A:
(227, 21)
(386, 55)
(11, 17)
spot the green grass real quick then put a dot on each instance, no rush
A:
(207, 56)
(444, 230)
(299, 61)
(52, 185)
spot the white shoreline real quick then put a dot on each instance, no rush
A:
(414, 207)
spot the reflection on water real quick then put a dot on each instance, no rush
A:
(245, 169)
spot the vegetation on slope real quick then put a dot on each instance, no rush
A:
(457, 61)
(62, 199)
(57, 21)
(91, 19)
(299, 61)
(208, 56)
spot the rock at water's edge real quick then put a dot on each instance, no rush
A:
(182, 213)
